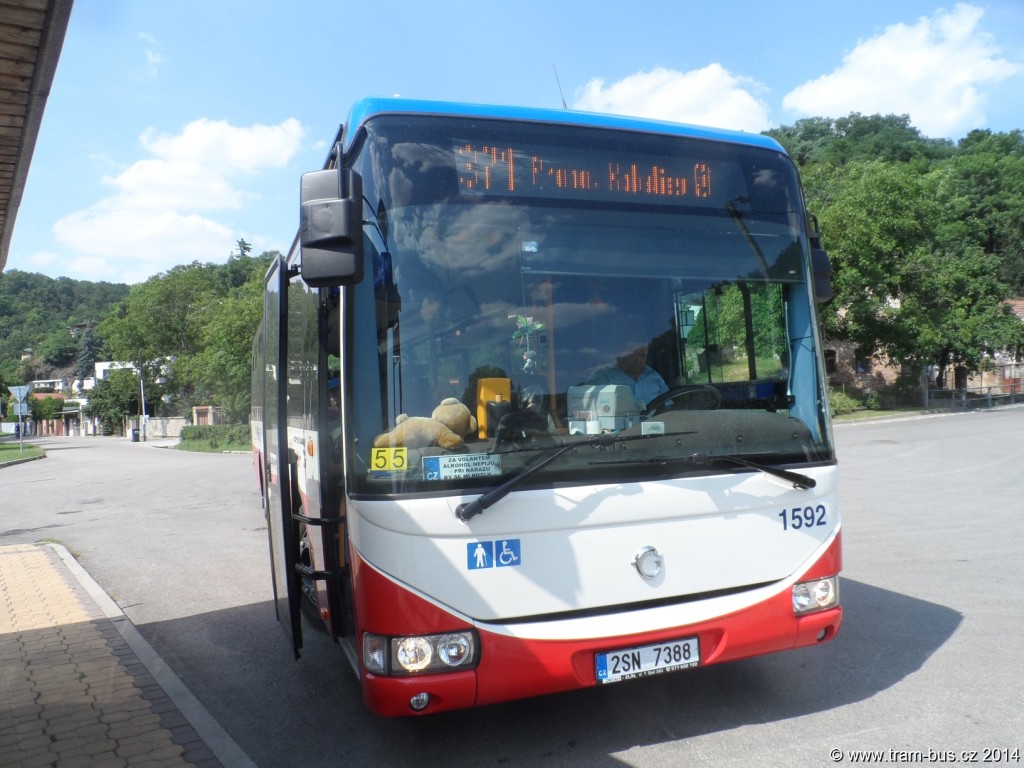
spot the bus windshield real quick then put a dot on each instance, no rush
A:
(529, 286)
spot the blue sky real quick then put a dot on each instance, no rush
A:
(175, 128)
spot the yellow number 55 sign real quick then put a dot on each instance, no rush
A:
(389, 459)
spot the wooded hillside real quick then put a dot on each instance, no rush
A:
(191, 327)
(47, 320)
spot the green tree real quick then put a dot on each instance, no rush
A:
(878, 225)
(223, 367)
(983, 189)
(956, 315)
(161, 323)
(965, 284)
(58, 348)
(88, 354)
(163, 316)
(860, 138)
(191, 330)
(114, 398)
(44, 409)
(911, 277)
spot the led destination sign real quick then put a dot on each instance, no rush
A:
(531, 171)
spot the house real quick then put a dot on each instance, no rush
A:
(47, 385)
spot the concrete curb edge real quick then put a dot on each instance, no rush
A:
(209, 730)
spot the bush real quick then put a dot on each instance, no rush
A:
(216, 437)
(842, 403)
(872, 401)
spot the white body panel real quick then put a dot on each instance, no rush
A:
(577, 545)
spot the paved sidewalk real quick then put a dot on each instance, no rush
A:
(80, 686)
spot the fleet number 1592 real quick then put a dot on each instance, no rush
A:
(803, 517)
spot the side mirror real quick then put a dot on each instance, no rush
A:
(331, 228)
(821, 267)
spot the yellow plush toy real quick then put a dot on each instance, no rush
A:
(456, 416)
(450, 422)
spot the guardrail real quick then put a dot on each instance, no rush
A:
(973, 397)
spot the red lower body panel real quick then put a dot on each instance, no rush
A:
(513, 668)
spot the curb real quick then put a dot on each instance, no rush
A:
(930, 413)
(218, 740)
(14, 462)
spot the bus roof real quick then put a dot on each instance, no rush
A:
(367, 108)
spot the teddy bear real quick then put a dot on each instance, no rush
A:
(450, 422)
(456, 416)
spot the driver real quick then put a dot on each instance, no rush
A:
(630, 367)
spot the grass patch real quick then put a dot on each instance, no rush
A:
(216, 438)
(74, 554)
(201, 447)
(11, 451)
(860, 415)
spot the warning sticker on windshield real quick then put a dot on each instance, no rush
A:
(461, 466)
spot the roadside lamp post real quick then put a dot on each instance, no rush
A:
(142, 402)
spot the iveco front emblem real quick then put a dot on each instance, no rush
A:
(647, 562)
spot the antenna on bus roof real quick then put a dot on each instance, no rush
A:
(559, 83)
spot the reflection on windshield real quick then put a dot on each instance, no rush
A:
(500, 325)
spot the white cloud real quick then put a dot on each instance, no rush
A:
(163, 211)
(218, 144)
(153, 56)
(163, 184)
(41, 260)
(710, 96)
(934, 70)
(131, 241)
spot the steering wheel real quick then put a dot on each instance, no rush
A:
(692, 397)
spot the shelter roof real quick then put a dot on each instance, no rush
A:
(31, 38)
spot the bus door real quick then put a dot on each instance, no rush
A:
(279, 466)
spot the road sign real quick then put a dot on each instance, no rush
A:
(20, 393)
(22, 409)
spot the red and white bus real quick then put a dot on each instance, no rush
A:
(539, 404)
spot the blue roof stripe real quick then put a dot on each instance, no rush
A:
(364, 109)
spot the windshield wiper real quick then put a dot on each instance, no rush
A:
(470, 509)
(798, 480)
(801, 481)
(737, 217)
(467, 510)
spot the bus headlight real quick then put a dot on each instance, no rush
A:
(815, 595)
(414, 654)
(419, 654)
(454, 650)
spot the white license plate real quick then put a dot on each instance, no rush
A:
(647, 660)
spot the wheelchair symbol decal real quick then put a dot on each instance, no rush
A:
(493, 554)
